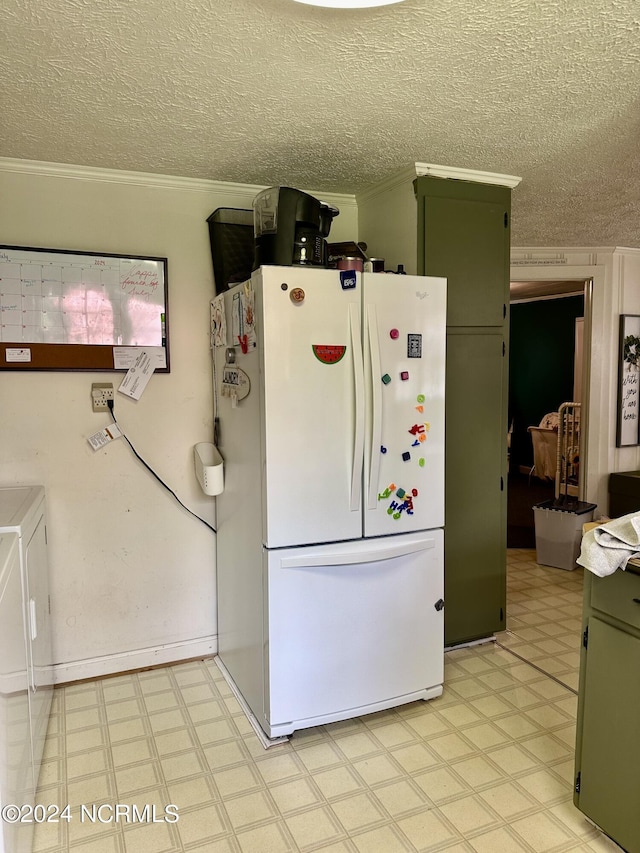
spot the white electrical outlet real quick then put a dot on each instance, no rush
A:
(100, 393)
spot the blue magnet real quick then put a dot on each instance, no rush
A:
(347, 279)
(406, 456)
(383, 449)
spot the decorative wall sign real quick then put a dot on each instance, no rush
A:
(629, 381)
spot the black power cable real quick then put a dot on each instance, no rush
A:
(110, 404)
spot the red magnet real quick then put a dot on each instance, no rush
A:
(404, 375)
(394, 334)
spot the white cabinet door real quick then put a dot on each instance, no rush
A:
(17, 785)
(38, 624)
(312, 407)
(405, 343)
(22, 511)
(352, 628)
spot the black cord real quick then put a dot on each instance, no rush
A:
(110, 404)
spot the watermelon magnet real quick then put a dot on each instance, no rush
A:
(328, 353)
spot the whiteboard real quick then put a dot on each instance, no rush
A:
(81, 299)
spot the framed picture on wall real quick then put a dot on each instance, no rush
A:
(629, 381)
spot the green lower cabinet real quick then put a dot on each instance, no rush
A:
(475, 491)
(608, 731)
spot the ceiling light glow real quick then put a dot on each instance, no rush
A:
(348, 4)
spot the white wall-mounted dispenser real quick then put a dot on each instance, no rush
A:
(209, 468)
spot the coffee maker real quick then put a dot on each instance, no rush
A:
(290, 228)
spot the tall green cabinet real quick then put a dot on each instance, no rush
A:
(464, 234)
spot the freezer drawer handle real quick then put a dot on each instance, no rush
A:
(439, 605)
(363, 556)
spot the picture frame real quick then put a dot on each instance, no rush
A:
(628, 420)
(75, 310)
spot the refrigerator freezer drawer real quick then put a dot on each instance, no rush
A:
(352, 628)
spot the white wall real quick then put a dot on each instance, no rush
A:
(388, 221)
(132, 574)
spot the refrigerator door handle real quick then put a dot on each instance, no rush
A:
(363, 555)
(358, 438)
(376, 417)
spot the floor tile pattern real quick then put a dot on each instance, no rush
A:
(485, 768)
(544, 615)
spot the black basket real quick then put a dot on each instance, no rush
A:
(232, 246)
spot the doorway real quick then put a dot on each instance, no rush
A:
(545, 370)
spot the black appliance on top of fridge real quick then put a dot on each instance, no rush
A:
(290, 228)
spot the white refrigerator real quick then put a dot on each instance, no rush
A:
(329, 398)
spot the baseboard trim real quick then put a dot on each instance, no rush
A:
(470, 643)
(98, 667)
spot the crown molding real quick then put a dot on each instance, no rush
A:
(550, 255)
(406, 176)
(117, 176)
(473, 175)
(147, 179)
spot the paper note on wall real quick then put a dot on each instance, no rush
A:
(125, 357)
(137, 377)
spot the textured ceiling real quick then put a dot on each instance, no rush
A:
(276, 92)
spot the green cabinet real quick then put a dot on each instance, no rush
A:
(608, 729)
(464, 234)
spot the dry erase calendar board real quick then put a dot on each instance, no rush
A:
(62, 310)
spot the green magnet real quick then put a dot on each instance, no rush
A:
(420, 398)
(386, 379)
(421, 462)
(401, 493)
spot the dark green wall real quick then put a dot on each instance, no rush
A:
(540, 366)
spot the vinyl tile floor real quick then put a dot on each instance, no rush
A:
(485, 768)
(544, 616)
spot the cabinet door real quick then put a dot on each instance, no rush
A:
(39, 638)
(610, 754)
(17, 784)
(465, 235)
(475, 497)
